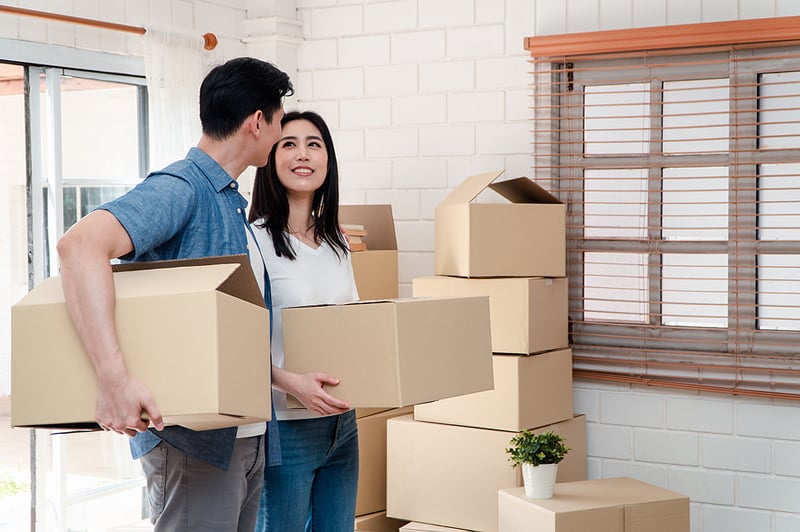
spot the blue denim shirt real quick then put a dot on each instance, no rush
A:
(190, 209)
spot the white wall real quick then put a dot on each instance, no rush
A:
(420, 94)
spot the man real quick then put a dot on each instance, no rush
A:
(209, 480)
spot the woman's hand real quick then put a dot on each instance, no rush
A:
(309, 389)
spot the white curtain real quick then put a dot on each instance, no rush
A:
(174, 67)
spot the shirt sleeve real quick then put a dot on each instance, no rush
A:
(154, 211)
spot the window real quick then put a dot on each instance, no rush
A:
(89, 132)
(680, 168)
(72, 139)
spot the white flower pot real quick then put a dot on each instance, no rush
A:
(540, 480)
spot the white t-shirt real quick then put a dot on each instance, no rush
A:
(316, 277)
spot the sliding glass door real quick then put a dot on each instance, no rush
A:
(71, 140)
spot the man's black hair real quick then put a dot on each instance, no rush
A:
(238, 88)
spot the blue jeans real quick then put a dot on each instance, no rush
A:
(314, 488)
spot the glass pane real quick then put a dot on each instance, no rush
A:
(15, 448)
(696, 116)
(779, 202)
(616, 119)
(779, 292)
(616, 287)
(695, 203)
(779, 106)
(615, 203)
(694, 290)
(92, 197)
(100, 130)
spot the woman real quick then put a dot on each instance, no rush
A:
(294, 215)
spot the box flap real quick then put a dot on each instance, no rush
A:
(376, 219)
(523, 190)
(239, 283)
(469, 189)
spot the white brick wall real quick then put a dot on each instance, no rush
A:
(446, 76)
(736, 458)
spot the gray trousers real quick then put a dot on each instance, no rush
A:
(186, 494)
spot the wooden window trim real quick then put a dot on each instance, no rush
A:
(750, 32)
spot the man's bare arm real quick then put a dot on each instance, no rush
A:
(84, 253)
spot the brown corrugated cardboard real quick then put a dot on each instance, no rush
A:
(372, 460)
(608, 505)
(414, 526)
(375, 269)
(526, 238)
(360, 412)
(528, 315)
(393, 353)
(529, 391)
(378, 522)
(449, 475)
(195, 332)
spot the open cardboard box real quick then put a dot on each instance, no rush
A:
(195, 332)
(375, 269)
(524, 238)
(393, 353)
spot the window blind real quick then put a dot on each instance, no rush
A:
(678, 157)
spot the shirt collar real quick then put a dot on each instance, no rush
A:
(219, 178)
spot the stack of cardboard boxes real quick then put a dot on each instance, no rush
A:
(370, 229)
(447, 462)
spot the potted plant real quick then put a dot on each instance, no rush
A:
(539, 455)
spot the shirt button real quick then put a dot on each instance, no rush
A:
(238, 211)
(233, 185)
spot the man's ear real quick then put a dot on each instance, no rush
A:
(255, 122)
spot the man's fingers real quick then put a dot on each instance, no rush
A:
(153, 414)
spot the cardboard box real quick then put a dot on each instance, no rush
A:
(375, 269)
(372, 460)
(607, 505)
(414, 526)
(449, 475)
(195, 332)
(360, 412)
(529, 391)
(528, 315)
(526, 238)
(393, 353)
(378, 522)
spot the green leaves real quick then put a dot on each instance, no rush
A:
(529, 448)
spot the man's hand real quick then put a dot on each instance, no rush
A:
(121, 402)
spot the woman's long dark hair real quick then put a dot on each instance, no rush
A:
(271, 204)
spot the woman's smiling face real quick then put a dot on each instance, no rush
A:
(301, 157)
